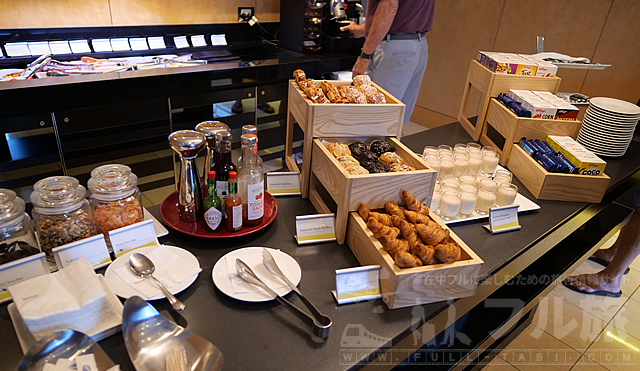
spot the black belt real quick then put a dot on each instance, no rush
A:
(405, 36)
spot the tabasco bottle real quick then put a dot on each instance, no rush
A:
(233, 205)
(212, 205)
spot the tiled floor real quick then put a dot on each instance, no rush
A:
(586, 332)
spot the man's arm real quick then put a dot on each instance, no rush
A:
(382, 20)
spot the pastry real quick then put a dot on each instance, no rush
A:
(431, 233)
(448, 252)
(348, 161)
(357, 97)
(316, 95)
(407, 230)
(413, 204)
(394, 245)
(394, 209)
(338, 149)
(415, 217)
(299, 75)
(376, 98)
(407, 260)
(345, 90)
(366, 213)
(361, 80)
(357, 170)
(380, 146)
(425, 253)
(357, 149)
(391, 158)
(380, 229)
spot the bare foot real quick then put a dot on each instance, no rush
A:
(604, 254)
(595, 282)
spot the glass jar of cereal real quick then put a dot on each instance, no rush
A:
(17, 236)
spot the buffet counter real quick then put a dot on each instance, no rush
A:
(265, 336)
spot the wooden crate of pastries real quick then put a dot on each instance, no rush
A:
(438, 265)
(348, 188)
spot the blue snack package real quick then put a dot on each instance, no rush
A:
(526, 147)
(535, 145)
(546, 145)
(546, 163)
(572, 168)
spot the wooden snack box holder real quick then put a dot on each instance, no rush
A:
(337, 120)
(405, 287)
(554, 186)
(348, 191)
(490, 84)
(512, 128)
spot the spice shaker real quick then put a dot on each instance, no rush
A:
(61, 212)
(17, 236)
(114, 197)
(187, 143)
(209, 129)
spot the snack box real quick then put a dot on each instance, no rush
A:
(407, 287)
(585, 160)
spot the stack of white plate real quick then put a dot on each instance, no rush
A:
(608, 125)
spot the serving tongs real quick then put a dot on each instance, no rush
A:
(319, 323)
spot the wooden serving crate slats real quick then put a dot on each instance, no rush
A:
(404, 287)
(553, 186)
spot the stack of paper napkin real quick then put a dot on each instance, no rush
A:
(171, 270)
(73, 298)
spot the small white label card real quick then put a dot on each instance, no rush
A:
(21, 270)
(357, 284)
(39, 47)
(101, 45)
(79, 46)
(283, 184)
(503, 219)
(156, 42)
(59, 47)
(94, 249)
(198, 40)
(181, 42)
(138, 43)
(17, 49)
(218, 40)
(315, 228)
(132, 237)
(120, 44)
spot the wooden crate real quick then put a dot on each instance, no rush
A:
(553, 186)
(373, 189)
(490, 84)
(512, 128)
(405, 287)
(337, 120)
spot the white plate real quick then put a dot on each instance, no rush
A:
(101, 331)
(610, 119)
(123, 290)
(222, 280)
(524, 204)
(615, 106)
(618, 116)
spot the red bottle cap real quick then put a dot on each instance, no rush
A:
(233, 175)
(211, 174)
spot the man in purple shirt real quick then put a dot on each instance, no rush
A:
(395, 52)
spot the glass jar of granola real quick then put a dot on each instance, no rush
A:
(17, 236)
(61, 212)
(114, 197)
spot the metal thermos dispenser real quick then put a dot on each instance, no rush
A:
(187, 143)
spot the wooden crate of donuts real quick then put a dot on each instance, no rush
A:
(369, 170)
(421, 260)
(338, 108)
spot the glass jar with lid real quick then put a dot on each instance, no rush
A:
(61, 212)
(115, 198)
(17, 236)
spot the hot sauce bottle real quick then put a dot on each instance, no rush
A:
(212, 206)
(233, 205)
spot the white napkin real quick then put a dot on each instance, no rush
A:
(254, 260)
(171, 270)
(71, 298)
(561, 57)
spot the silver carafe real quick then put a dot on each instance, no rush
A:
(209, 129)
(187, 143)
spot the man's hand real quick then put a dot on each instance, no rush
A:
(355, 30)
(360, 67)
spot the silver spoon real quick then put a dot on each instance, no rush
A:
(143, 267)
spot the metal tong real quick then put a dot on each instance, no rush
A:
(320, 323)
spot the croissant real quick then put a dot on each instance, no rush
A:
(425, 253)
(407, 260)
(413, 204)
(299, 75)
(431, 233)
(448, 252)
(415, 217)
(366, 213)
(394, 245)
(380, 229)
(394, 210)
(407, 230)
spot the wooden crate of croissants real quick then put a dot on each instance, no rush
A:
(421, 260)
(337, 108)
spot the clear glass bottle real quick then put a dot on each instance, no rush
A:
(17, 236)
(115, 198)
(223, 163)
(61, 212)
(251, 180)
(233, 205)
(213, 212)
(249, 129)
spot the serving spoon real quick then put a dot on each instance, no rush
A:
(143, 267)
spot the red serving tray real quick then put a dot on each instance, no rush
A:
(169, 213)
